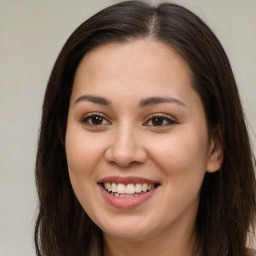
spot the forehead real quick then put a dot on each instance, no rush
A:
(141, 53)
(144, 63)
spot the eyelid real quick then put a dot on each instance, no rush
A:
(166, 117)
(92, 114)
(161, 115)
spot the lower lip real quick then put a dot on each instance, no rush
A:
(126, 203)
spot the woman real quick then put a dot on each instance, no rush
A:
(143, 148)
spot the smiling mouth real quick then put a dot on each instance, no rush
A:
(129, 190)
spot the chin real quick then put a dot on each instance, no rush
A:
(129, 228)
(131, 234)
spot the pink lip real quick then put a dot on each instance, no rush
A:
(131, 202)
(127, 180)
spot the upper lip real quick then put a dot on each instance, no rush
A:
(127, 180)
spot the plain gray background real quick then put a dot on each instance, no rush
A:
(32, 33)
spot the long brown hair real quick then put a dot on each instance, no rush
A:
(227, 207)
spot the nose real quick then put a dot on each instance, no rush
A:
(125, 148)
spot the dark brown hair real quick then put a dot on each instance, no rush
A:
(227, 207)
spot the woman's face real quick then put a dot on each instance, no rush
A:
(137, 128)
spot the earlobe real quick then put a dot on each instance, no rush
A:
(215, 155)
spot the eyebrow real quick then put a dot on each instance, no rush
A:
(157, 100)
(143, 103)
(94, 99)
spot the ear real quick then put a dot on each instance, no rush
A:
(215, 154)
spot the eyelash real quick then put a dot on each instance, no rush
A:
(164, 119)
(87, 119)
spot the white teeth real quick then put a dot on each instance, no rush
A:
(144, 187)
(109, 187)
(138, 188)
(130, 189)
(121, 188)
(123, 195)
(114, 187)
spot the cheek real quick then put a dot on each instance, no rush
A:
(181, 154)
(83, 152)
(183, 161)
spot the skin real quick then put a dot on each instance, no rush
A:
(126, 142)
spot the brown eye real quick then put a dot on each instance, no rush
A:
(95, 120)
(156, 121)
(159, 121)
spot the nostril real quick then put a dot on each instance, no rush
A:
(125, 161)
(125, 164)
